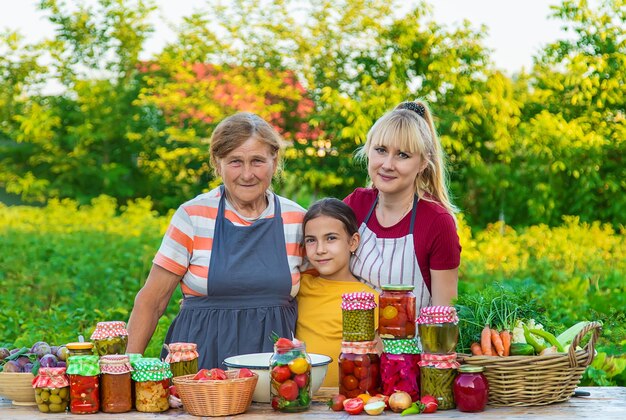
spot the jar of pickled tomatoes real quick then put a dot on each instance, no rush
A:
(290, 370)
(396, 316)
(471, 389)
(359, 369)
(84, 372)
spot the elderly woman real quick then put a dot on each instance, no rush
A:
(234, 251)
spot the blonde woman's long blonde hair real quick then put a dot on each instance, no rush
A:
(410, 127)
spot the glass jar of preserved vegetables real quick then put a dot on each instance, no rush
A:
(437, 374)
(471, 389)
(438, 329)
(152, 385)
(52, 390)
(358, 316)
(183, 358)
(133, 357)
(80, 349)
(110, 338)
(359, 368)
(399, 369)
(115, 390)
(396, 314)
(290, 369)
(83, 372)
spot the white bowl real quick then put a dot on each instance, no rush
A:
(259, 364)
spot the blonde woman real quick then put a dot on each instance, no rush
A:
(407, 223)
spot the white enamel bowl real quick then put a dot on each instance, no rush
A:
(259, 364)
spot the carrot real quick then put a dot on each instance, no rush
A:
(497, 342)
(485, 341)
(476, 350)
(506, 341)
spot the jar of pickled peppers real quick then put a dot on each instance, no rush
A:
(183, 358)
(359, 368)
(438, 328)
(437, 374)
(357, 311)
(110, 338)
(52, 390)
(152, 385)
(84, 372)
(396, 314)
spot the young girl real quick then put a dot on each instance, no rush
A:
(330, 238)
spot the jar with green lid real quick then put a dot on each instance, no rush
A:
(110, 338)
(183, 358)
(84, 372)
(358, 316)
(399, 369)
(438, 329)
(152, 385)
(396, 316)
(52, 390)
(437, 374)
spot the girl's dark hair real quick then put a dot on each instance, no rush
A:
(336, 209)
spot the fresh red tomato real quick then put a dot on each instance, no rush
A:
(288, 390)
(202, 375)
(301, 380)
(245, 373)
(430, 404)
(283, 344)
(281, 373)
(217, 374)
(275, 402)
(173, 391)
(347, 366)
(353, 405)
(350, 382)
(336, 402)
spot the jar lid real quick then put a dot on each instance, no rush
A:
(181, 352)
(49, 377)
(471, 369)
(83, 365)
(151, 369)
(79, 346)
(358, 301)
(402, 346)
(437, 315)
(109, 329)
(115, 364)
(402, 287)
(359, 347)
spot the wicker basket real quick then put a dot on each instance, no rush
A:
(216, 397)
(537, 380)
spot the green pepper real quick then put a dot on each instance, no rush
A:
(548, 337)
(415, 408)
(531, 340)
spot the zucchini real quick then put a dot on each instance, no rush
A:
(522, 349)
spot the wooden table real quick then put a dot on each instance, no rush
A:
(603, 403)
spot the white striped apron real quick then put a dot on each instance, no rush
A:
(380, 261)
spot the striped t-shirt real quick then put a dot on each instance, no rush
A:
(186, 246)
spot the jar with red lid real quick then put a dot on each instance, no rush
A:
(471, 389)
(115, 384)
(438, 328)
(437, 374)
(52, 389)
(359, 369)
(399, 369)
(358, 310)
(84, 372)
(110, 337)
(183, 358)
(396, 315)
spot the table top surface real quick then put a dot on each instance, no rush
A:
(602, 403)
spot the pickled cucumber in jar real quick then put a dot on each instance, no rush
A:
(110, 338)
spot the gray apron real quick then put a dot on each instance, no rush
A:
(248, 292)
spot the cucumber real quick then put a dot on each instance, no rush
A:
(522, 349)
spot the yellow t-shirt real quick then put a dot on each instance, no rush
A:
(319, 317)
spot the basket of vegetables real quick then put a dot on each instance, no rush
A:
(214, 392)
(524, 363)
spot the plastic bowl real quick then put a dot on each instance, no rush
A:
(259, 364)
(18, 387)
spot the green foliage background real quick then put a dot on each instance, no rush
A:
(536, 159)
